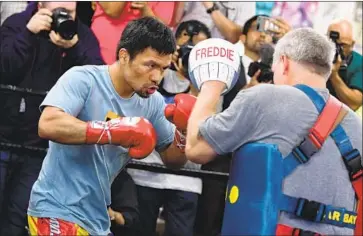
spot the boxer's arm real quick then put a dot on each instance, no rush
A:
(173, 157)
(58, 126)
(170, 154)
(62, 105)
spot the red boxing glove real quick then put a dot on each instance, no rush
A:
(178, 114)
(134, 133)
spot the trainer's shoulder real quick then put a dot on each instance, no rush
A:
(269, 92)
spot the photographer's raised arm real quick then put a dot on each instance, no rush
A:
(230, 30)
(350, 96)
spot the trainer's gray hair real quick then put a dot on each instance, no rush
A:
(308, 48)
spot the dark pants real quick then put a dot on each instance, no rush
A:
(212, 201)
(179, 211)
(18, 172)
(124, 200)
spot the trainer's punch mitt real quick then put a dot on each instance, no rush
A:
(214, 59)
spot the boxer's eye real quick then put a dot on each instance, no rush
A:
(150, 65)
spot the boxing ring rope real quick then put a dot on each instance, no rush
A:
(12, 88)
(131, 164)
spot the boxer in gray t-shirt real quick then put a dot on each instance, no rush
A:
(281, 114)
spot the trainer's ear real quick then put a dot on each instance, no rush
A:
(286, 65)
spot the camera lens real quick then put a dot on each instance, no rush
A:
(63, 23)
(67, 29)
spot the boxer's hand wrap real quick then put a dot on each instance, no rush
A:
(180, 140)
(134, 133)
(178, 113)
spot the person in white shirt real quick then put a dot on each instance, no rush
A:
(252, 40)
(9, 8)
(224, 19)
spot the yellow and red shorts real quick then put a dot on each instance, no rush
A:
(53, 226)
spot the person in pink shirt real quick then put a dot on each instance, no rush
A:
(111, 18)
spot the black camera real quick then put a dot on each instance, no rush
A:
(184, 50)
(183, 53)
(266, 74)
(334, 36)
(63, 24)
(266, 55)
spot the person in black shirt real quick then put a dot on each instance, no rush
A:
(32, 56)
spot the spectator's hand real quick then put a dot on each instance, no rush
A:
(116, 216)
(207, 5)
(336, 66)
(40, 21)
(177, 62)
(175, 56)
(59, 41)
(254, 80)
(283, 27)
(335, 70)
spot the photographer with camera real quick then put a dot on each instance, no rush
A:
(253, 39)
(37, 46)
(346, 77)
(175, 81)
(178, 195)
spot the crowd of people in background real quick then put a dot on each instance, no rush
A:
(34, 56)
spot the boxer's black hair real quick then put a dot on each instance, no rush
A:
(196, 24)
(146, 32)
(249, 22)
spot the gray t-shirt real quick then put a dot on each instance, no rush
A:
(282, 115)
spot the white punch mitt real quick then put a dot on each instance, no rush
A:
(214, 59)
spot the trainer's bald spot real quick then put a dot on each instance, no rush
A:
(344, 28)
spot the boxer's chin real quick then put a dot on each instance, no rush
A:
(143, 93)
